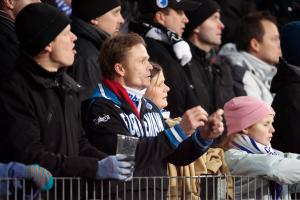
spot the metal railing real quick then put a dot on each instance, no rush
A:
(148, 188)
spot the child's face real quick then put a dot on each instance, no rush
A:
(158, 90)
(262, 131)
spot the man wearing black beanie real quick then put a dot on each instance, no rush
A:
(211, 80)
(92, 21)
(39, 106)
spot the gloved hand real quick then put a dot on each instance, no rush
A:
(42, 178)
(118, 167)
(183, 52)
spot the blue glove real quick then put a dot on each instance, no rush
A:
(118, 167)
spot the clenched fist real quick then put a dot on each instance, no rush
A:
(214, 126)
(193, 118)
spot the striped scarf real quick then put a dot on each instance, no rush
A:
(63, 6)
(245, 143)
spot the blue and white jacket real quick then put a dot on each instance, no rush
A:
(105, 116)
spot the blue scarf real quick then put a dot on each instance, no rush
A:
(245, 143)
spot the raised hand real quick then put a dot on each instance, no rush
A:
(193, 118)
(214, 126)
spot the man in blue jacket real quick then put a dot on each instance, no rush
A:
(117, 106)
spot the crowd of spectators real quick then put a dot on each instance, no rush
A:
(75, 74)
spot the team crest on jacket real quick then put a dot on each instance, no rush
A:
(149, 106)
(101, 119)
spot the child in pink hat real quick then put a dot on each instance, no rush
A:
(248, 151)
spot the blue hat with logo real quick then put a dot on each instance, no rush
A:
(151, 6)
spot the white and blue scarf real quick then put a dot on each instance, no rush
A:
(136, 96)
(245, 143)
(158, 32)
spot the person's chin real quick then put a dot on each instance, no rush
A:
(69, 62)
(164, 104)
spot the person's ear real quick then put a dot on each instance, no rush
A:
(119, 69)
(94, 21)
(9, 3)
(245, 131)
(196, 30)
(160, 17)
(48, 48)
(254, 45)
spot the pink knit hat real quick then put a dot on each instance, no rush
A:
(244, 111)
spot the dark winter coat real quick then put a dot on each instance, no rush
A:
(8, 46)
(211, 79)
(106, 116)
(180, 96)
(40, 120)
(286, 86)
(86, 69)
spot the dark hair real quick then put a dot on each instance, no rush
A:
(156, 69)
(251, 27)
(114, 50)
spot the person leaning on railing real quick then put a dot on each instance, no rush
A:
(248, 151)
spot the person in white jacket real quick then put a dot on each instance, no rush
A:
(248, 152)
(254, 56)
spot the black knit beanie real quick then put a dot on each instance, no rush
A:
(91, 9)
(199, 15)
(37, 25)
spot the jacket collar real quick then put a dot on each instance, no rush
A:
(47, 79)
(87, 31)
(102, 91)
(4, 16)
